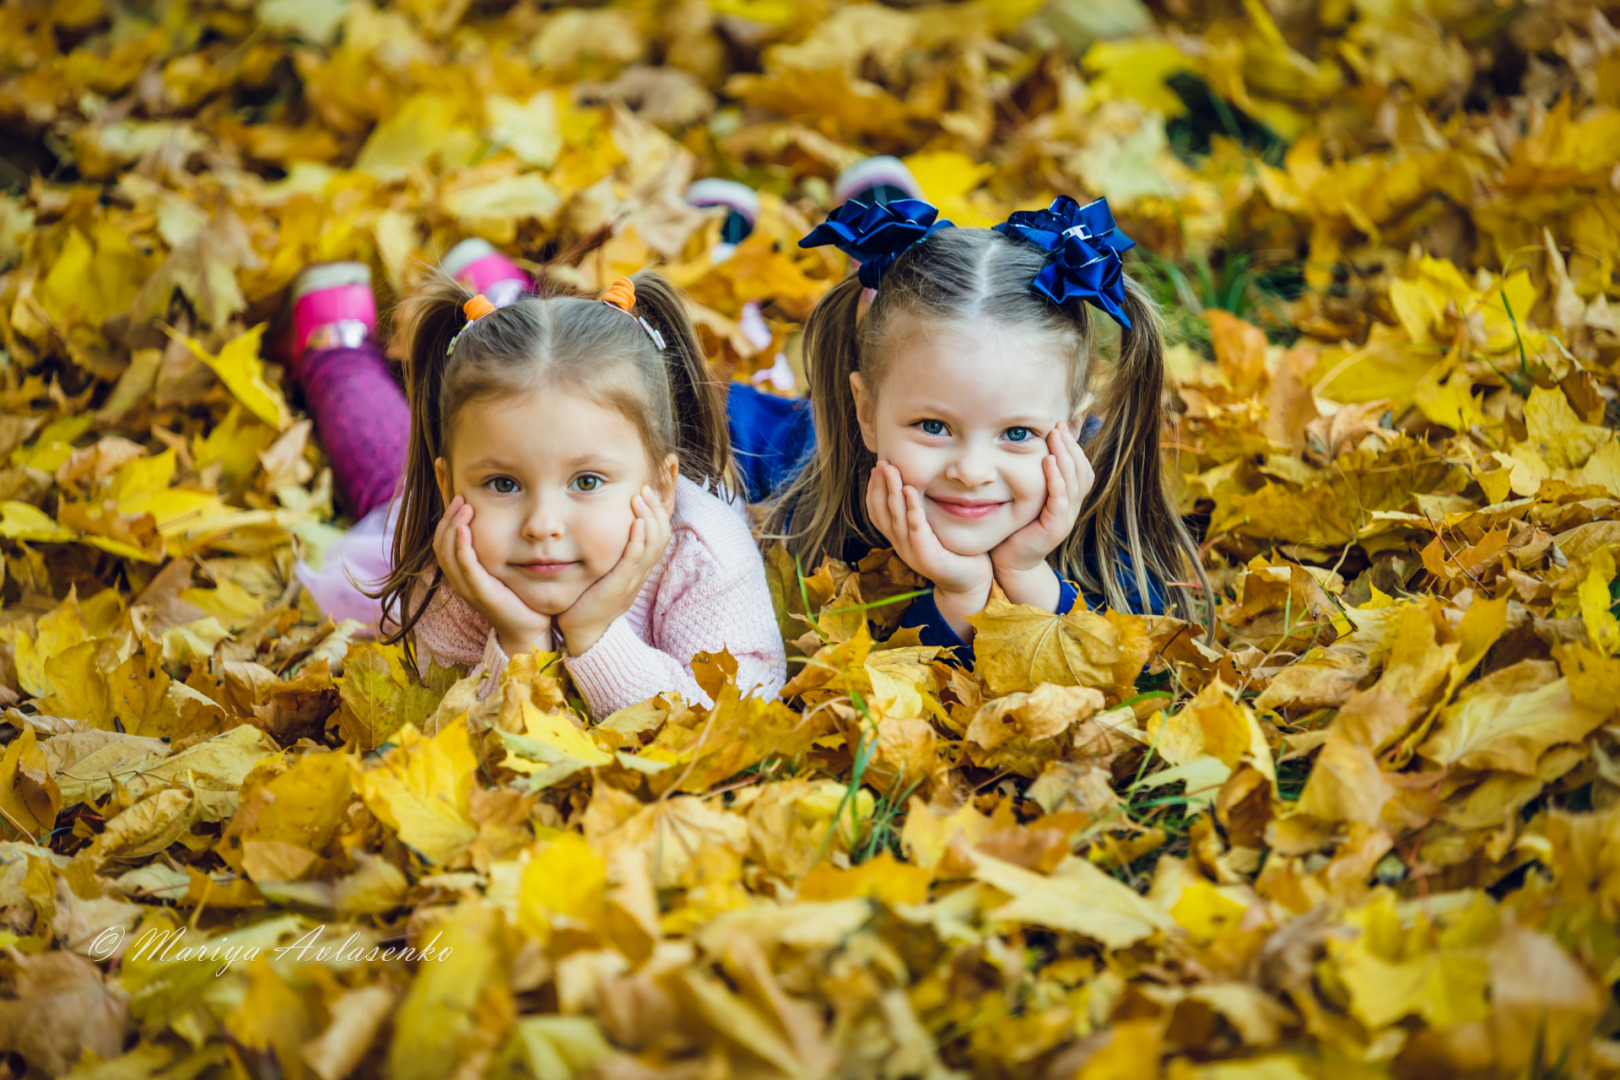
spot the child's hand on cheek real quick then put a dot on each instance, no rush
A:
(517, 626)
(961, 582)
(1020, 560)
(584, 623)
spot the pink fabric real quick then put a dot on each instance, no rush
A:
(358, 560)
(493, 268)
(708, 592)
(332, 305)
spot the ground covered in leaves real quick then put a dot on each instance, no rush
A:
(1373, 829)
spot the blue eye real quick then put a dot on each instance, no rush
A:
(1019, 434)
(932, 427)
(588, 482)
(502, 485)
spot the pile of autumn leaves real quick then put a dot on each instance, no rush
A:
(1341, 834)
(1372, 827)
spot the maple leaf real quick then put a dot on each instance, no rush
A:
(1017, 732)
(1018, 647)
(239, 368)
(550, 747)
(1509, 718)
(459, 1004)
(883, 878)
(1076, 896)
(380, 696)
(422, 789)
(285, 824)
(564, 884)
(59, 1004)
(29, 796)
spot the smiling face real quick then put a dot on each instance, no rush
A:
(549, 475)
(963, 413)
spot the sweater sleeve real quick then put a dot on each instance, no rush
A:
(708, 600)
(451, 632)
(621, 669)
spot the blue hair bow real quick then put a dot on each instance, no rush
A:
(1084, 247)
(875, 234)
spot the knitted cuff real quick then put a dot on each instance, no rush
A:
(494, 663)
(600, 672)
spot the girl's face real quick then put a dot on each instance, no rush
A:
(964, 414)
(549, 475)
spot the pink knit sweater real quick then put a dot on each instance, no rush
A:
(708, 592)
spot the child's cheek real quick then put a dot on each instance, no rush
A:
(1029, 493)
(604, 536)
(486, 530)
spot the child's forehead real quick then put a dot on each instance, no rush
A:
(545, 421)
(993, 338)
(978, 360)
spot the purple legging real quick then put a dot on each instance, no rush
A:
(363, 421)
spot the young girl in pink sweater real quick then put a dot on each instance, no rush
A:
(569, 478)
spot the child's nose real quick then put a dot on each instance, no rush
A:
(972, 467)
(544, 521)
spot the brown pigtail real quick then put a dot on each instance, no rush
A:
(702, 440)
(431, 318)
(825, 504)
(1130, 495)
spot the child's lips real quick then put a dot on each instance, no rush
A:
(967, 508)
(546, 567)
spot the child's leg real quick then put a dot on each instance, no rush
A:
(360, 412)
(741, 204)
(363, 421)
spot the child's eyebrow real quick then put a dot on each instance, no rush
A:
(921, 405)
(593, 458)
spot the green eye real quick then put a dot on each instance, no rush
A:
(588, 483)
(502, 485)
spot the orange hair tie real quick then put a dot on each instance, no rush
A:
(621, 294)
(476, 309)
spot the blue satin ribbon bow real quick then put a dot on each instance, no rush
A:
(875, 234)
(1084, 246)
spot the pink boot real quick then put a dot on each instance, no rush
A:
(479, 266)
(332, 307)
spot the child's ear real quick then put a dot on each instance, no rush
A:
(441, 474)
(668, 472)
(865, 409)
